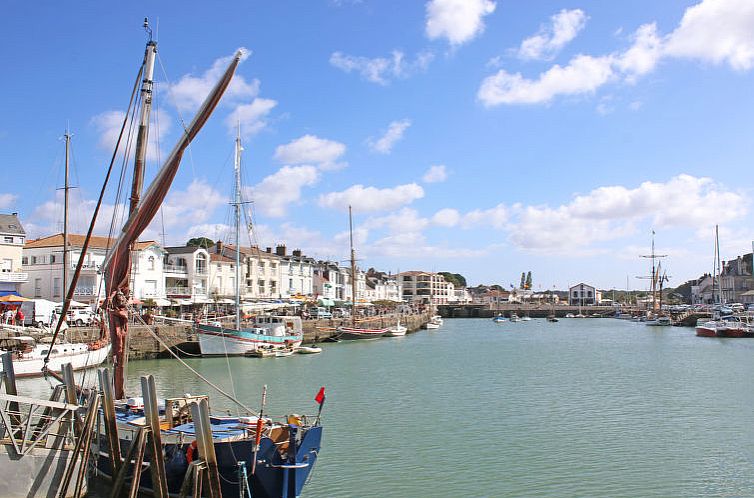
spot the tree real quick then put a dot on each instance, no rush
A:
(528, 281)
(200, 242)
(456, 279)
(523, 280)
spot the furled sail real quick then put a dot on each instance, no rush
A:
(118, 263)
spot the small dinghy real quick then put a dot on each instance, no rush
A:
(308, 349)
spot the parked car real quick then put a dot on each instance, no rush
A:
(341, 313)
(322, 313)
(79, 316)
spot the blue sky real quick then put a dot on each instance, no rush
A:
(475, 136)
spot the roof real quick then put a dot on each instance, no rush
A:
(183, 249)
(248, 251)
(76, 240)
(9, 223)
(222, 258)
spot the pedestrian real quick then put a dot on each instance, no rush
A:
(20, 317)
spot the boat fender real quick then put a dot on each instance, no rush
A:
(191, 452)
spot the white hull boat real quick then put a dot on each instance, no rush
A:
(308, 350)
(396, 331)
(273, 331)
(79, 355)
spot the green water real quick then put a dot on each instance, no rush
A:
(591, 407)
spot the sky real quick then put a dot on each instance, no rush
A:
(481, 137)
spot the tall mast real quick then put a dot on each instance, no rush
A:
(654, 275)
(353, 268)
(66, 187)
(143, 131)
(237, 212)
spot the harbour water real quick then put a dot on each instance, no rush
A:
(582, 407)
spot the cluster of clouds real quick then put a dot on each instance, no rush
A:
(698, 37)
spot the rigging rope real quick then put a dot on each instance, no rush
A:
(200, 376)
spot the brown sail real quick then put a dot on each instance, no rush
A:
(118, 263)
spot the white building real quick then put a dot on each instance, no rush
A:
(12, 238)
(186, 271)
(424, 287)
(331, 281)
(43, 260)
(296, 273)
(260, 271)
(382, 287)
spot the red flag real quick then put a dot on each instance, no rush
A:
(320, 397)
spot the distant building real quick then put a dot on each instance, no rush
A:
(424, 287)
(584, 295)
(296, 273)
(186, 270)
(12, 238)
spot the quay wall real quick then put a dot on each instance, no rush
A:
(182, 339)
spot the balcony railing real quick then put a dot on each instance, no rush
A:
(13, 276)
(201, 270)
(175, 268)
(84, 291)
(178, 291)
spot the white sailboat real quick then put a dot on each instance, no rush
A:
(216, 339)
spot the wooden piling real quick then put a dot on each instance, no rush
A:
(152, 416)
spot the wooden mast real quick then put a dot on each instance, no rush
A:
(64, 286)
(237, 209)
(353, 268)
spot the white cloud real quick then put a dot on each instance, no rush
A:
(612, 212)
(7, 200)
(190, 91)
(406, 220)
(311, 149)
(382, 70)
(109, 123)
(565, 25)
(367, 199)
(458, 21)
(446, 218)
(643, 56)
(435, 174)
(495, 217)
(394, 133)
(583, 74)
(252, 117)
(718, 31)
(276, 192)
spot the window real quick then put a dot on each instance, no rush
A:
(37, 287)
(56, 287)
(6, 265)
(34, 260)
(150, 263)
(8, 240)
(25, 260)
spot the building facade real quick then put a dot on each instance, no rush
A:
(583, 295)
(12, 239)
(425, 288)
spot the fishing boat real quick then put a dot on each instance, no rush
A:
(515, 318)
(396, 330)
(499, 318)
(216, 339)
(430, 325)
(354, 332)
(165, 447)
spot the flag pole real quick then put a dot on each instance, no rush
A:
(260, 426)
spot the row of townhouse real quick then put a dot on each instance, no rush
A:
(734, 285)
(188, 274)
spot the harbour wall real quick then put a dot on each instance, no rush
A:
(182, 340)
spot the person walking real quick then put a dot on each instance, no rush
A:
(20, 317)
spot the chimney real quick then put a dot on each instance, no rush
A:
(297, 253)
(280, 250)
(268, 250)
(219, 247)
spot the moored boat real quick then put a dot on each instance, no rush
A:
(29, 358)
(396, 330)
(308, 349)
(499, 319)
(356, 333)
